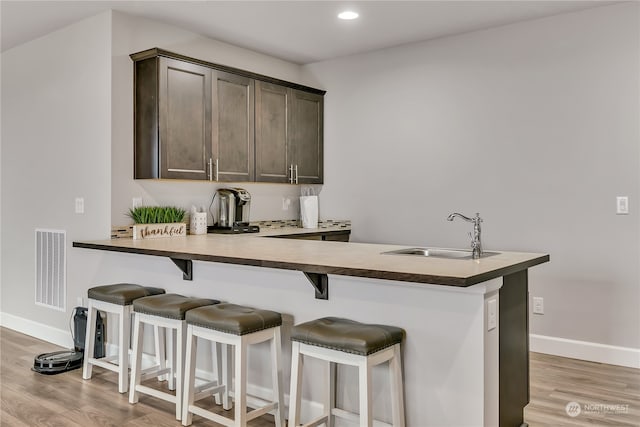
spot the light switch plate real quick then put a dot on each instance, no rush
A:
(492, 314)
(622, 205)
(538, 305)
(79, 205)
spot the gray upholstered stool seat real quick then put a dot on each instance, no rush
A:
(347, 335)
(347, 342)
(172, 306)
(239, 327)
(233, 319)
(115, 299)
(122, 293)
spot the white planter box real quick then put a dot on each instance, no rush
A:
(155, 231)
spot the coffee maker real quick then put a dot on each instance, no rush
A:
(233, 212)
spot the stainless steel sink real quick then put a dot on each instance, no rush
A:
(438, 253)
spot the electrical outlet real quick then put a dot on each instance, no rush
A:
(79, 205)
(492, 314)
(538, 305)
(79, 302)
(136, 202)
(286, 202)
(622, 205)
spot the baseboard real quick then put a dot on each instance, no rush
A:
(584, 350)
(41, 331)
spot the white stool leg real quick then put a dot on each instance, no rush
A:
(330, 404)
(276, 375)
(227, 360)
(240, 389)
(296, 383)
(189, 376)
(216, 362)
(171, 358)
(366, 410)
(89, 340)
(138, 333)
(124, 335)
(181, 337)
(161, 359)
(397, 392)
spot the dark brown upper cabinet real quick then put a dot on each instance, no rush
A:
(288, 135)
(306, 147)
(172, 119)
(273, 157)
(232, 126)
(202, 121)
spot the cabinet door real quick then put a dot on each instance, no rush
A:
(306, 147)
(232, 127)
(185, 120)
(272, 133)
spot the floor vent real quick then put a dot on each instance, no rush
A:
(51, 271)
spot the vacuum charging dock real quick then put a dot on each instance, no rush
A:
(68, 360)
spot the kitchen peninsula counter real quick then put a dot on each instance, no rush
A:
(340, 258)
(466, 321)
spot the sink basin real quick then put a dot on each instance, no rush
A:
(438, 253)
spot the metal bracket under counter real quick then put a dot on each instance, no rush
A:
(186, 266)
(319, 281)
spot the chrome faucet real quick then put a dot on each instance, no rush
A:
(476, 242)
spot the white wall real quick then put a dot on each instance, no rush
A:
(56, 137)
(534, 125)
(132, 34)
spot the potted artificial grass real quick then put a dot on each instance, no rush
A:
(152, 222)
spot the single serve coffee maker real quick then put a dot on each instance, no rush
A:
(233, 212)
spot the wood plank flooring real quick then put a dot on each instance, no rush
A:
(31, 399)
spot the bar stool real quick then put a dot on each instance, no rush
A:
(240, 327)
(352, 343)
(167, 312)
(115, 299)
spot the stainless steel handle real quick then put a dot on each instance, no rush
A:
(210, 169)
(296, 174)
(217, 168)
(291, 173)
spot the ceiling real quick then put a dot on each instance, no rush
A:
(297, 31)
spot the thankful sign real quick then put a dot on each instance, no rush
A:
(154, 231)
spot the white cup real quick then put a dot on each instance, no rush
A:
(198, 223)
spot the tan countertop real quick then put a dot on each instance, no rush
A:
(325, 257)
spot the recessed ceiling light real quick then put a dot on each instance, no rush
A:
(348, 15)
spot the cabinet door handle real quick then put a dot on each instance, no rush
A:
(291, 173)
(210, 169)
(296, 169)
(217, 168)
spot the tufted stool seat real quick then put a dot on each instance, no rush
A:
(168, 313)
(345, 341)
(115, 299)
(237, 326)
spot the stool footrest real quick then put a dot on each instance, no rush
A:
(154, 371)
(156, 393)
(211, 416)
(207, 393)
(251, 415)
(106, 364)
(206, 386)
(317, 422)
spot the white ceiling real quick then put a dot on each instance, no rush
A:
(296, 31)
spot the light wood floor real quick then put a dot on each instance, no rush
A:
(31, 399)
